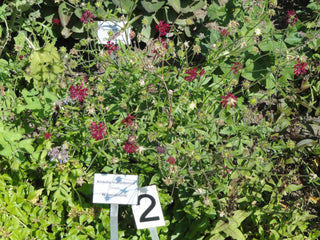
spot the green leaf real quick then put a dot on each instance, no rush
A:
(20, 40)
(151, 7)
(238, 217)
(306, 143)
(292, 188)
(175, 4)
(27, 145)
(65, 13)
(127, 5)
(215, 11)
(228, 229)
(294, 38)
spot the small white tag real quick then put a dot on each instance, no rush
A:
(119, 33)
(148, 212)
(115, 189)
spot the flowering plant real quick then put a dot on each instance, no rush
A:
(214, 102)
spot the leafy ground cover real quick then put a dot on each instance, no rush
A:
(214, 102)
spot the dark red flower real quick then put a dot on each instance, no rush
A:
(98, 130)
(20, 57)
(56, 21)
(111, 47)
(130, 148)
(128, 120)
(230, 100)
(87, 17)
(300, 68)
(171, 160)
(224, 32)
(236, 67)
(292, 17)
(78, 92)
(47, 135)
(192, 74)
(163, 28)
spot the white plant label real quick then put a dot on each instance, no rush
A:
(148, 212)
(115, 189)
(117, 30)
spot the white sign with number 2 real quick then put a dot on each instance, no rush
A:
(148, 212)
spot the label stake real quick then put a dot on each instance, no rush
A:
(154, 233)
(114, 221)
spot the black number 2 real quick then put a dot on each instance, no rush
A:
(143, 217)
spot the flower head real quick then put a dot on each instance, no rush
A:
(47, 135)
(98, 130)
(171, 160)
(56, 21)
(292, 17)
(192, 74)
(132, 139)
(229, 100)
(224, 33)
(111, 47)
(160, 149)
(78, 92)
(128, 120)
(236, 67)
(87, 17)
(300, 68)
(163, 28)
(58, 154)
(130, 148)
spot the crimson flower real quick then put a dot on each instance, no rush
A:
(192, 74)
(56, 21)
(111, 47)
(171, 160)
(292, 17)
(87, 17)
(47, 135)
(300, 68)
(163, 28)
(229, 100)
(236, 67)
(98, 130)
(78, 92)
(129, 147)
(20, 57)
(128, 120)
(224, 33)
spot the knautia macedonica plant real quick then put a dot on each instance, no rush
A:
(215, 103)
